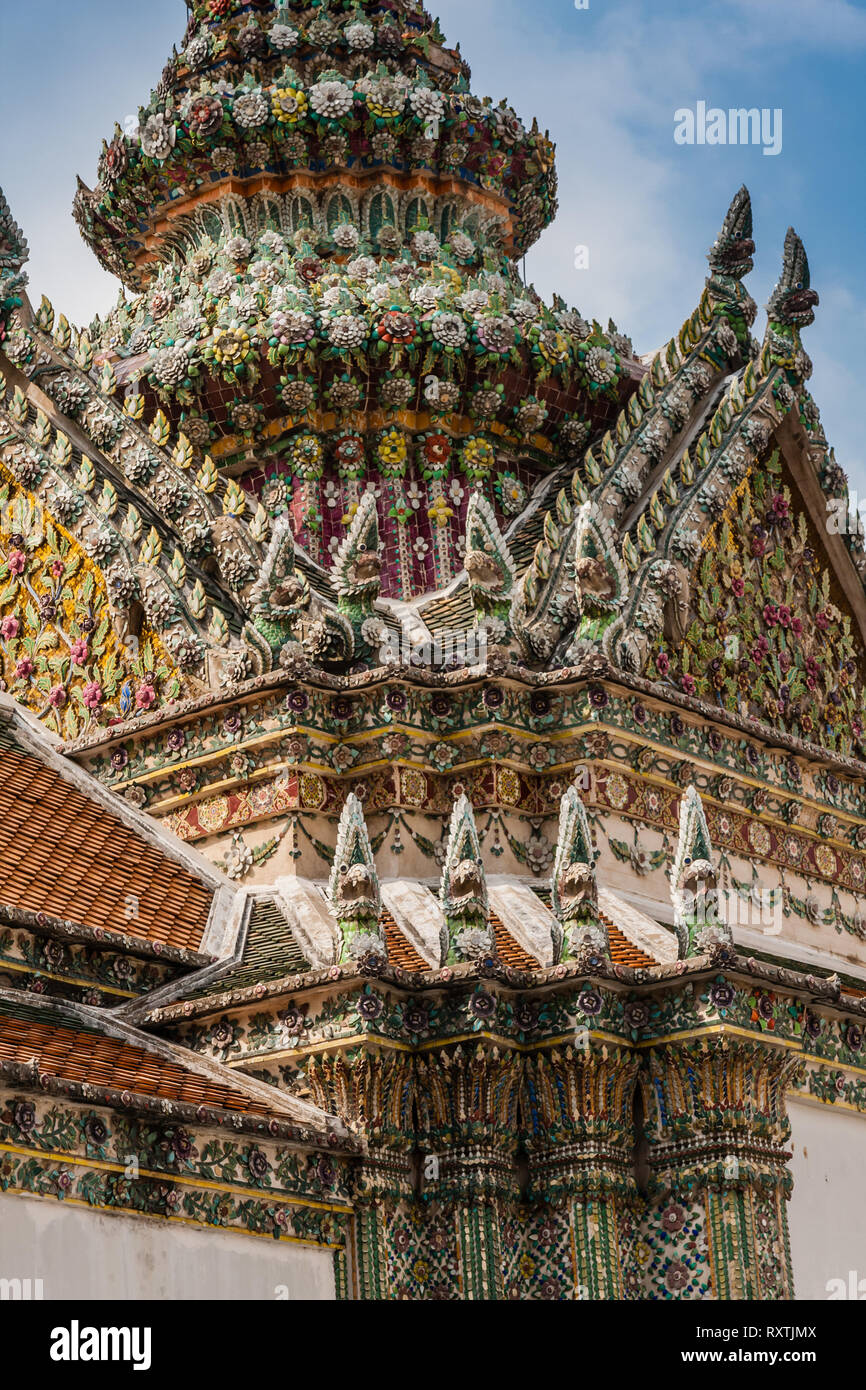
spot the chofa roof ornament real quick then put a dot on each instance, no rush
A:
(694, 884)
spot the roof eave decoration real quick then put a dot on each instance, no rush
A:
(573, 886)
(354, 893)
(463, 891)
(698, 923)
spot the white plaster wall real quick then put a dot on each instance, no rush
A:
(827, 1211)
(81, 1254)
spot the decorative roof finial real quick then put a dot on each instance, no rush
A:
(463, 893)
(353, 888)
(358, 567)
(13, 256)
(730, 259)
(489, 565)
(574, 891)
(791, 308)
(694, 883)
(601, 582)
(288, 619)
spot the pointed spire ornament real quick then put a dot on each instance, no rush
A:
(730, 259)
(694, 884)
(354, 894)
(489, 565)
(574, 890)
(357, 565)
(791, 308)
(463, 893)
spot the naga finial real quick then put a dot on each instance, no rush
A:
(13, 257)
(791, 307)
(601, 582)
(357, 574)
(288, 620)
(694, 883)
(574, 891)
(489, 566)
(731, 259)
(463, 893)
(357, 565)
(353, 888)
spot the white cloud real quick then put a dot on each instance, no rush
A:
(827, 24)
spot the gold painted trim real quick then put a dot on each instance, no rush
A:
(76, 1161)
(22, 967)
(178, 1220)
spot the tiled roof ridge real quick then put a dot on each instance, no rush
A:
(509, 950)
(623, 951)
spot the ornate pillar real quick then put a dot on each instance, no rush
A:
(577, 1109)
(467, 1102)
(373, 1092)
(716, 1125)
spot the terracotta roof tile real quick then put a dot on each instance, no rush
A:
(508, 949)
(621, 949)
(65, 854)
(81, 1055)
(401, 952)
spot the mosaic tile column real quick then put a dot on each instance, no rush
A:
(715, 1224)
(468, 1116)
(383, 1187)
(577, 1109)
(372, 1092)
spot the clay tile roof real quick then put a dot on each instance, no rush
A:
(78, 1054)
(621, 949)
(508, 949)
(65, 854)
(401, 952)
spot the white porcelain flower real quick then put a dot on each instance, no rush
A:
(251, 110)
(282, 37)
(347, 331)
(346, 236)
(449, 330)
(427, 105)
(360, 36)
(331, 100)
(425, 245)
(158, 136)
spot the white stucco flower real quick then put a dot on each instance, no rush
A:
(158, 136)
(331, 100)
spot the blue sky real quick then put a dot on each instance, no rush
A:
(605, 81)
